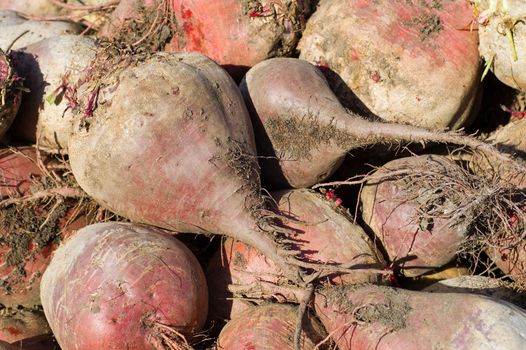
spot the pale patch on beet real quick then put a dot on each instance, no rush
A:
(50, 69)
(402, 59)
(20, 32)
(502, 33)
(30, 7)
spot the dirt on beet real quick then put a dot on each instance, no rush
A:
(39, 223)
(294, 138)
(392, 312)
(427, 25)
(153, 27)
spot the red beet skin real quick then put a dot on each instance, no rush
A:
(411, 62)
(123, 286)
(236, 34)
(324, 235)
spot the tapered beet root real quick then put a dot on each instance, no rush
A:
(409, 62)
(303, 132)
(269, 327)
(324, 234)
(123, 286)
(392, 208)
(383, 318)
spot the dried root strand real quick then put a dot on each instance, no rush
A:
(168, 338)
(302, 310)
(490, 209)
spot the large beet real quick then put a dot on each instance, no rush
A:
(236, 34)
(393, 207)
(502, 33)
(383, 318)
(175, 126)
(123, 286)
(409, 62)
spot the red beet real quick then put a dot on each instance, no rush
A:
(123, 286)
(176, 127)
(303, 132)
(324, 235)
(392, 209)
(236, 34)
(382, 318)
(409, 62)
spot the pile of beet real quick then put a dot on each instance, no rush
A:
(262, 174)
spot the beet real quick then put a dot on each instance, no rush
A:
(392, 208)
(323, 235)
(303, 132)
(236, 34)
(50, 69)
(175, 126)
(13, 25)
(502, 34)
(123, 286)
(374, 317)
(408, 62)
